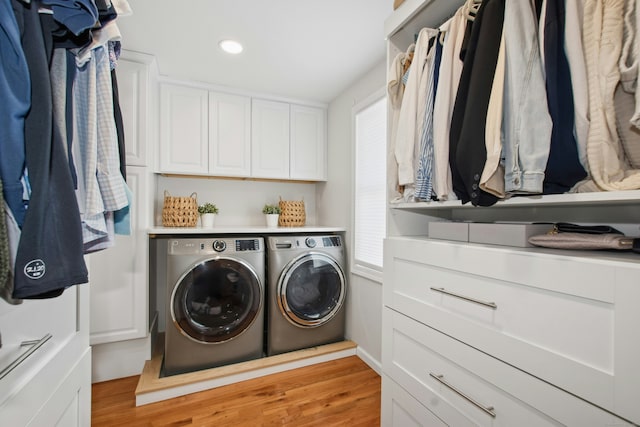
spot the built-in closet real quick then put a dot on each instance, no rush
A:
(480, 334)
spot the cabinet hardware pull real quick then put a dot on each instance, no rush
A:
(35, 344)
(488, 409)
(473, 300)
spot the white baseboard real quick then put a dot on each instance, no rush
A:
(369, 360)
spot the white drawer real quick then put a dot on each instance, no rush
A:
(479, 389)
(566, 319)
(400, 409)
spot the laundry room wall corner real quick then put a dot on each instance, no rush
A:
(334, 206)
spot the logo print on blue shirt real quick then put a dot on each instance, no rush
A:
(35, 269)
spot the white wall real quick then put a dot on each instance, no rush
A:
(335, 206)
(240, 201)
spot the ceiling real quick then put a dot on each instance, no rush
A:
(300, 49)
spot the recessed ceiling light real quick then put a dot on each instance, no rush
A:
(230, 46)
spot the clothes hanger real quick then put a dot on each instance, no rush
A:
(471, 9)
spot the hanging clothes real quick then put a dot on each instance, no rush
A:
(424, 174)
(467, 154)
(102, 187)
(492, 178)
(627, 95)
(407, 138)
(527, 124)
(450, 71)
(76, 15)
(395, 90)
(49, 257)
(563, 168)
(578, 68)
(114, 54)
(603, 45)
(15, 92)
(12, 234)
(630, 56)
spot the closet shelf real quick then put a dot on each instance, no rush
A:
(608, 198)
(413, 15)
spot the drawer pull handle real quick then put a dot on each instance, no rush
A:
(488, 409)
(473, 300)
(33, 346)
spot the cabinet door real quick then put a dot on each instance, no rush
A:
(269, 139)
(308, 143)
(184, 129)
(135, 90)
(119, 280)
(229, 134)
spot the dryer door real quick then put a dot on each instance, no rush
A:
(311, 289)
(216, 300)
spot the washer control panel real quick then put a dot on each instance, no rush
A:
(310, 242)
(331, 241)
(219, 245)
(202, 246)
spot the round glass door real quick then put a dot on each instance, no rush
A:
(216, 300)
(311, 290)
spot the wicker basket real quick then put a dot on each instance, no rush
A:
(180, 211)
(292, 213)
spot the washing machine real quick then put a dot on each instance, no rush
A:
(306, 292)
(215, 302)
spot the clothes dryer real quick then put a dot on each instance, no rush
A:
(215, 302)
(306, 292)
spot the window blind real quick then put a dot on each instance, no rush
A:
(370, 182)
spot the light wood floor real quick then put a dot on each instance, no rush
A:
(335, 393)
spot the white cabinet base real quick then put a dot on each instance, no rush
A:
(122, 358)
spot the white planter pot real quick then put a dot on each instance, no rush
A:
(207, 220)
(272, 220)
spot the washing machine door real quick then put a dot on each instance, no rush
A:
(311, 289)
(216, 300)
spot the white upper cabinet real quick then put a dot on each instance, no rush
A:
(308, 143)
(184, 129)
(288, 141)
(204, 132)
(229, 134)
(135, 75)
(270, 139)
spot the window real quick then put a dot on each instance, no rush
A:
(370, 135)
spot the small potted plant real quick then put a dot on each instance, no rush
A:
(207, 213)
(271, 213)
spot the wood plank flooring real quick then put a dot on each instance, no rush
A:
(335, 393)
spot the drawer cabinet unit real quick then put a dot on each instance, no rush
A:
(566, 319)
(45, 361)
(464, 387)
(399, 408)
